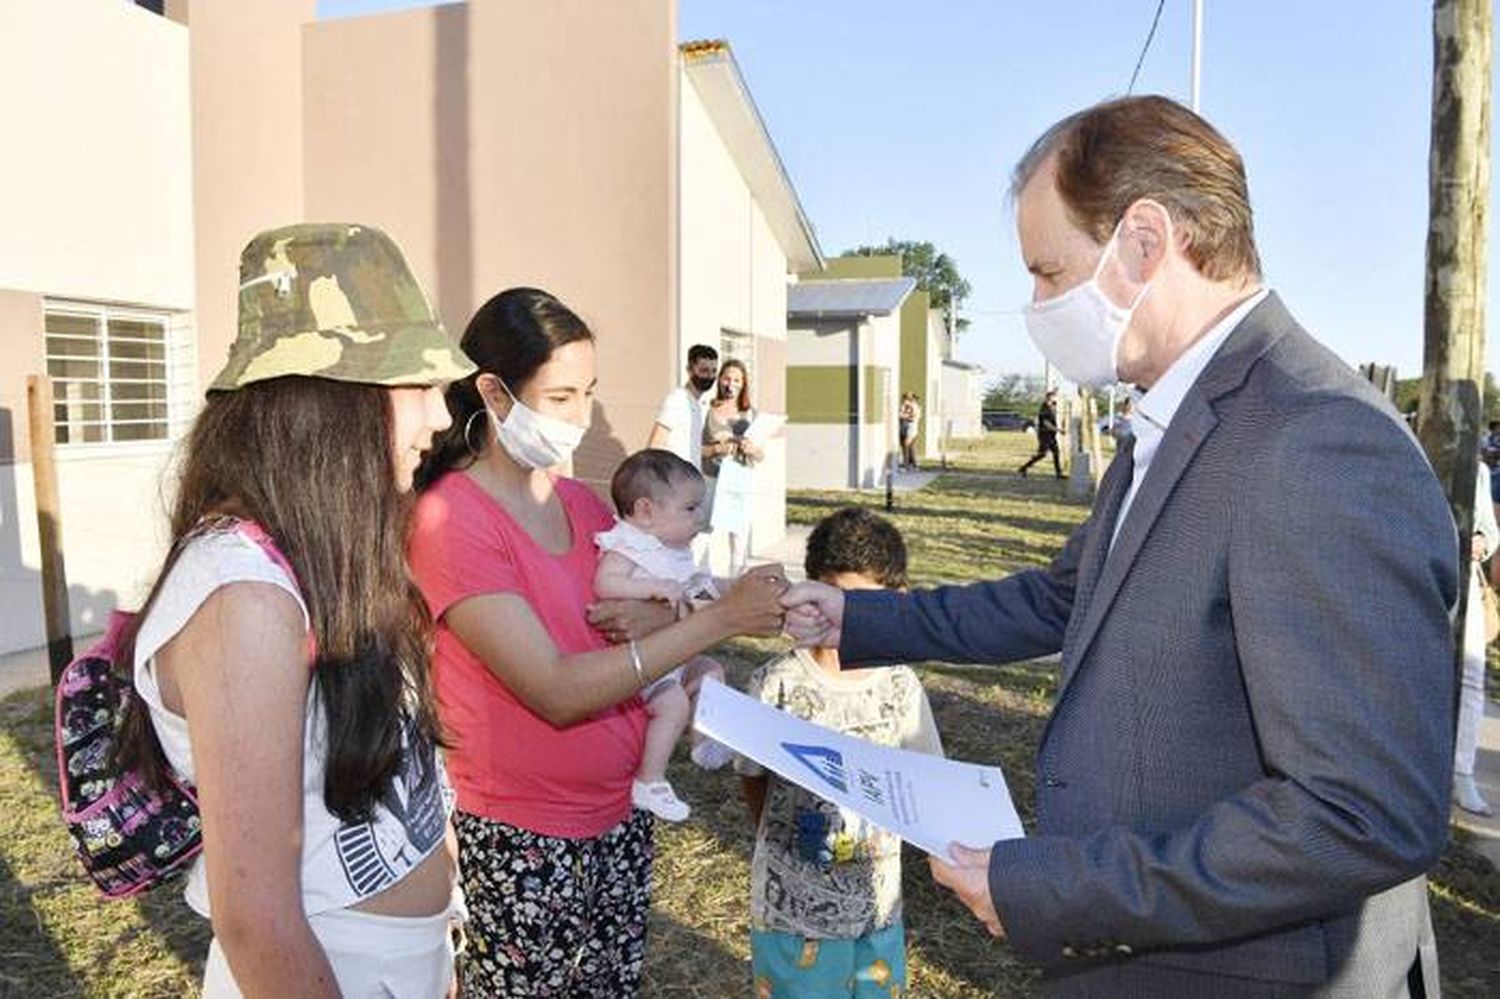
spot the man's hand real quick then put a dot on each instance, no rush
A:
(629, 620)
(814, 613)
(969, 878)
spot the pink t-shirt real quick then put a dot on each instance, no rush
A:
(507, 762)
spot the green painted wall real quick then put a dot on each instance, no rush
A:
(859, 267)
(820, 393)
(914, 371)
(877, 384)
(824, 393)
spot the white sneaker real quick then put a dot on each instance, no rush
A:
(711, 754)
(658, 798)
(1466, 795)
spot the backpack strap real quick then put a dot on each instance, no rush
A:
(252, 531)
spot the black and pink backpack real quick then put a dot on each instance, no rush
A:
(129, 836)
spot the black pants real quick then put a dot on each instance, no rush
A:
(1044, 443)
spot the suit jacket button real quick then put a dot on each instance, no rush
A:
(1068, 951)
(1051, 781)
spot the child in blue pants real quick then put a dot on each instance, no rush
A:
(825, 884)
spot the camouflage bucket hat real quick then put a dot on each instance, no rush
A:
(335, 300)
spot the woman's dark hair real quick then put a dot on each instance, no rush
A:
(856, 540)
(648, 473)
(309, 460)
(742, 403)
(511, 336)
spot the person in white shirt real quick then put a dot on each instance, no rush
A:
(679, 420)
(1485, 541)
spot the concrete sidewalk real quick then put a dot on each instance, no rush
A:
(23, 670)
(1487, 775)
(792, 549)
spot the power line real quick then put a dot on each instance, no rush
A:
(1156, 19)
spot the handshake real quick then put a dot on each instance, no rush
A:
(814, 613)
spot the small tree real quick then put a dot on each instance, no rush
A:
(1017, 392)
(936, 273)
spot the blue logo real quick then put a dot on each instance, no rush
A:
(826, 763)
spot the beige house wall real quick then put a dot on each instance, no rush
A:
(22, 353)
(733, 276)
(933, 397)
(97, 206)
(963, 396)
(93, 186)
(246, 84)
(513, 144)
(501, 143)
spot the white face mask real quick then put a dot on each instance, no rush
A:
(1079, 331)
(534, 439)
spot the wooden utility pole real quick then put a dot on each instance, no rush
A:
(55, 609)
(1458, 180)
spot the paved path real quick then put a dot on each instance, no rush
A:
(21, 670)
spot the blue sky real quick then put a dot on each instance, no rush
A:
(904, 119)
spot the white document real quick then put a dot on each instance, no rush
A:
(926, 800)
(764, 427)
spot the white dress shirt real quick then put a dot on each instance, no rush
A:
(1155, 408)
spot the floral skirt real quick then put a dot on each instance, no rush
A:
(554, 917)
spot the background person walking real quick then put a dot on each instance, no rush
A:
(1046, 435)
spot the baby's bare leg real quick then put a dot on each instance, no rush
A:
(707, 753)
(695, 670)
(670, 711)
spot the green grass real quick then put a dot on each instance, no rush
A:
(58, 939)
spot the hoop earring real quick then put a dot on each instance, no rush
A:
(469, 425)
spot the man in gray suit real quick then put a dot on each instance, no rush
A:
(1245, 774)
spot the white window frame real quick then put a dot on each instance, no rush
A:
(179, 355)
(740, 346)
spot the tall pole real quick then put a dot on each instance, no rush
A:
(55, 612)
(1458, 181)
(1197, 51)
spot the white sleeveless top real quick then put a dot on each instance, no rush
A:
(656, 560)
(341, 863)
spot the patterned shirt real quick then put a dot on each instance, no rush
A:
(819, 870)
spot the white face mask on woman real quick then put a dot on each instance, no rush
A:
(534, 440)
(1079, 331)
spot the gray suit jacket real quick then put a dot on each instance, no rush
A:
(1246, 770)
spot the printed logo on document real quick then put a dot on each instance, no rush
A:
(826, 763)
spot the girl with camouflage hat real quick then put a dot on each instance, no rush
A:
(294, 693)
(545, 715)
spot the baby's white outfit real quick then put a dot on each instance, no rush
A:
(654, 560)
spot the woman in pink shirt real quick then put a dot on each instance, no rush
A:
(542, 712)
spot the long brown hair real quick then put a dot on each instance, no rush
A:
(309, 459)
(742, 402)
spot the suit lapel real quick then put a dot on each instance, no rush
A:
(1192, 423)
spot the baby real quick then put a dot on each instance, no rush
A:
(647, 556)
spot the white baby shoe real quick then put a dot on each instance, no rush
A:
(658, 798)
